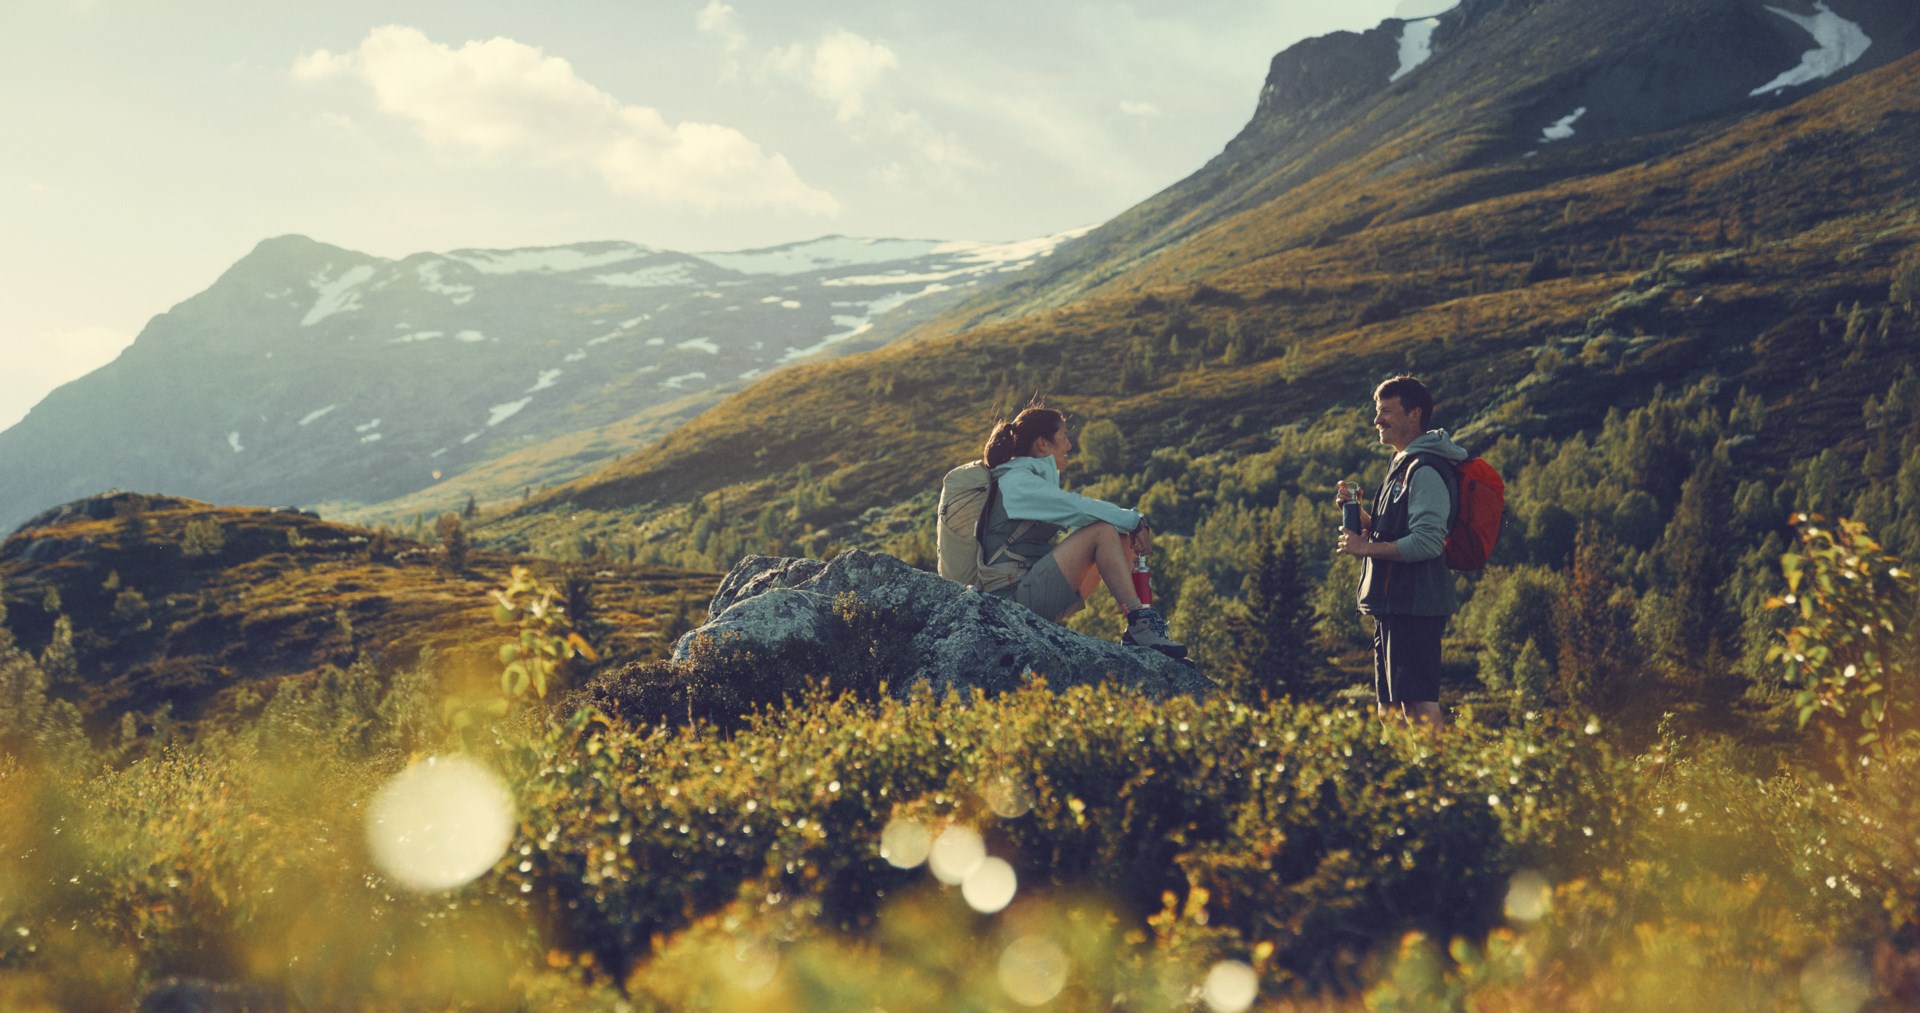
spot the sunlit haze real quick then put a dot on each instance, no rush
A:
(153, 145)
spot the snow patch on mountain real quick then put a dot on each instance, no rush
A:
(1841, 42)
(680, 382)
(408, 339)
(549, 259)
(501, 412)
(855, 326)
(1005, 253)
(1416, 45)
(370, 438)
(699, 345)
(547, 377)
(335, 295)
(233, 440)
(899, 278)
(658, 276)
(470, 337)
(1562, 128)
(430, 281)
(315, 416)
(821, 254)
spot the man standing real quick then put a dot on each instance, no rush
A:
(1404, 581)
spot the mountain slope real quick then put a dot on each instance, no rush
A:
(176, 603)
(311, 373)
(1423, 223)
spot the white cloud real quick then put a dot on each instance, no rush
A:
(846, 67)
(718, 20)
(849, 72)
(506, 98)
(336, 121)
(39, 189)
(36, 367)
(842, 68)
(321, 64)
(1133, 108)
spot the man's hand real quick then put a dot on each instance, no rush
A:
(1352, 543)
(1345, 492)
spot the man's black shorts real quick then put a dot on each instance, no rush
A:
(1406, 658)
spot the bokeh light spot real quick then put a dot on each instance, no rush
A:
(1529, 896)
(955, 852)
(756, 965)
(990, 885)
(905, 843)
(1007, 797)
(1033, 970)
(440, 823)
(1836, 981)
(1231, 987)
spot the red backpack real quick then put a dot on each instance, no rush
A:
(1480, 503)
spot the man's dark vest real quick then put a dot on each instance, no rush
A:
(1393, 588)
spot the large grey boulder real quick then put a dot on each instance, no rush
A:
(935, 631)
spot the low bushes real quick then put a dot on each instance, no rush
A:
(1305, 829)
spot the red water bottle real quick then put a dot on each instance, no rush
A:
(1142, 581)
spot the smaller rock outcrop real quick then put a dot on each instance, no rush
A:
(911, 625)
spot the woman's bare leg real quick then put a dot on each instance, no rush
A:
(1097, 554)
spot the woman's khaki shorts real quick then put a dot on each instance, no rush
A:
(1045, 590)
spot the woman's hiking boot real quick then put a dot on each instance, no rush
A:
(1147, 628)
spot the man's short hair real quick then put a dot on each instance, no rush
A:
(1412, 394)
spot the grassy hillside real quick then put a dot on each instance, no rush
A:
(1295, 305)
(145, 605)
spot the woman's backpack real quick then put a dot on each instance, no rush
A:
(966, 498)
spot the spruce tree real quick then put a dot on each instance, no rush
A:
(1276, 637)
(1598, 652)
(1696, 567)
(453, 538)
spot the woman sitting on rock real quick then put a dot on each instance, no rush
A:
(1029, 509)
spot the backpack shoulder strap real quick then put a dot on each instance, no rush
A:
(986, 513)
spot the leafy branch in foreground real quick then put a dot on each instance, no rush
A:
(1851, 645)
(538, 655)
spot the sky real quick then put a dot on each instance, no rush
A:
(148, 149)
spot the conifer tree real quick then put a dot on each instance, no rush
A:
(1598, 653)
(58, 659)
(453, 538)
(1695, 564)
(1275, 650)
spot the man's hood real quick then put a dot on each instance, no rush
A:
(1436, 441)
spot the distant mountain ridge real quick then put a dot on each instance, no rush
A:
(309, 373)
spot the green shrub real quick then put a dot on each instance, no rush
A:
(1304, 828)
(204, 537)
